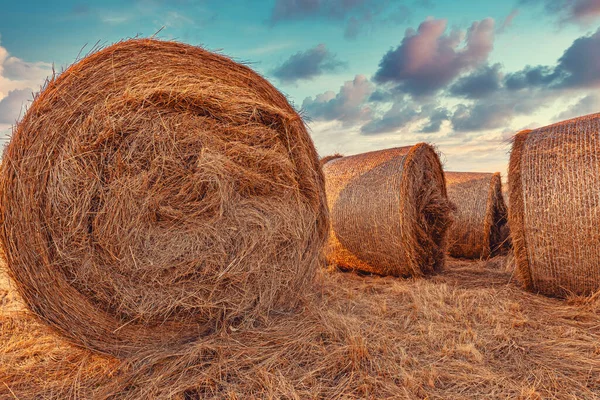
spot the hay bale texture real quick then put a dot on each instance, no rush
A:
(554, 181)
(480, 219)
(326, 159)
(389, 211)
(155, 193)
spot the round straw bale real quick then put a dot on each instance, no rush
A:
(389, 211)
(480, 219)
(326, 159)
(554, 181)
(154, 193)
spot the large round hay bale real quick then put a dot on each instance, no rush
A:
(480, 220)
(154, 193)
(389, 211)
(554, 214)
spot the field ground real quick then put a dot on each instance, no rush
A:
(470, 332)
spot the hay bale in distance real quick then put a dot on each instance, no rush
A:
(155, 193)
(480, 221)
(389, 211)
(328, 158)
(554, 181)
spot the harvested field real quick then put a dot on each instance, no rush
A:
(156, 193)
(389, 211)
(480, 220)
(471, 332)
(554, 178)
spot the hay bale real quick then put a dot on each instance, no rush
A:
(328, 158)
(554, 207)
(389, 211)
(155, 193)
(480, 219)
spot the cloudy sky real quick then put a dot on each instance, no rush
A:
(367, 74)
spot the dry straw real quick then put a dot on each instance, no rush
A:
(480, 220)
(156, 193)
(469, 333)
(326, 159)
(389, 211)
(555, 207)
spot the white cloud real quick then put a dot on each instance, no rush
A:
(18, 80)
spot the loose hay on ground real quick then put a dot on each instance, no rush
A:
(480, 227)
(554, 179)
(389, 211)
(468, 333)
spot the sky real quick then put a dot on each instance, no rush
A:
(366, 74)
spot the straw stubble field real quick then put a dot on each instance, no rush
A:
(471, 332)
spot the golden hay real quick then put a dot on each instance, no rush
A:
(480, 220)
(328, 158)
(156, 193)
(469, 333)
(389, 211)
(554, 178)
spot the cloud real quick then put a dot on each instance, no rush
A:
(589, 104)
(13, 105)
(531, 77)
(578, 67)
(478, 104)
(399, 116)
(16, 69)
(427, 59)
(17, 78)
(578, 11)
(480, 83)
(508, 21)
(481, 116)
(346, 106)
(357, 15)
(333, 9)
(436, 118)
(498, 111)
(353, 28)
(404, 114)
(307, 65)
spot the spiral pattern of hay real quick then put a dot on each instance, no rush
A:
(389, 211)
(480, 221)
(554, 181)
(155, 193)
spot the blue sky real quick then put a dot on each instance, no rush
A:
(368, 74)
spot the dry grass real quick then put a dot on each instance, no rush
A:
(480, 220)
(470, 332)
(554, 179)
(155, 193)
(389, 211)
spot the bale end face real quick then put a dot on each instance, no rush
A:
(156, 192)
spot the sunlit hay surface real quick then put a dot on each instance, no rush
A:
(468, 333)
(554, 178)
(155, 193)
(480, 220)
(326, 159)
(389, 211)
